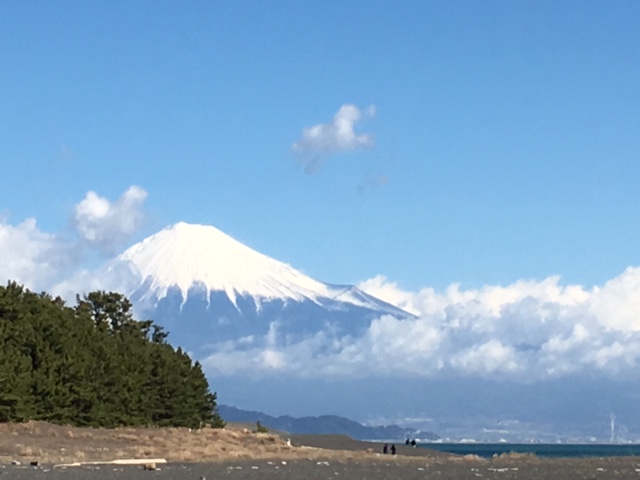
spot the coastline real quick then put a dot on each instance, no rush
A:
(235, 452)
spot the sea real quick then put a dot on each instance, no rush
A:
(554, 450)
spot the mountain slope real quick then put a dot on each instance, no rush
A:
(205, 288)
(185, 255)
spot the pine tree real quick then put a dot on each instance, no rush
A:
(94, 364)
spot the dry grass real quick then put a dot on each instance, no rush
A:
(518, 455)
(509, 457)
(49, 443)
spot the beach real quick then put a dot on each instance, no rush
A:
(387, 469)
(236, 452)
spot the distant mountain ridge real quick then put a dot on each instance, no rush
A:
(324, 424)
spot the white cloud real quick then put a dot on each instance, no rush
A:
(617, 302)
(106, 225)
(30, 256)
(51, 262)
(339, 135)
(487, 358)
(527, 331)
(388, 291)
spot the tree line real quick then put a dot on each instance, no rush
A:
(94, 365)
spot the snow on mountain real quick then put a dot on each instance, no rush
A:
(185, 256)
(206, 287)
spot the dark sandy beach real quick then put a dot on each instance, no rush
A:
(386, 469)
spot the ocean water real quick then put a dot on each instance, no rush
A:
(556, 450)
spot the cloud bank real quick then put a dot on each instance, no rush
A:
(338, 135)
(107, 225)
(50, 262)
(30, 256)
(527, 331)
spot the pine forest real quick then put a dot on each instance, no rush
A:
(94, 365)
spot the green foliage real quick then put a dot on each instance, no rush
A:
(94, 365)
(261, 428)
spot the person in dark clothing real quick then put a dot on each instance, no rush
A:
(393, 449)
(413, 443)
(406, 442)
(385, 449)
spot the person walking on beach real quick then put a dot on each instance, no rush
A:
(385, 449)
(393, 449)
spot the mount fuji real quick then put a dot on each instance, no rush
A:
(206, 288)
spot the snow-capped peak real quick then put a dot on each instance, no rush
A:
(186, 255)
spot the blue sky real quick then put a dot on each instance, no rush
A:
(503, 143)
